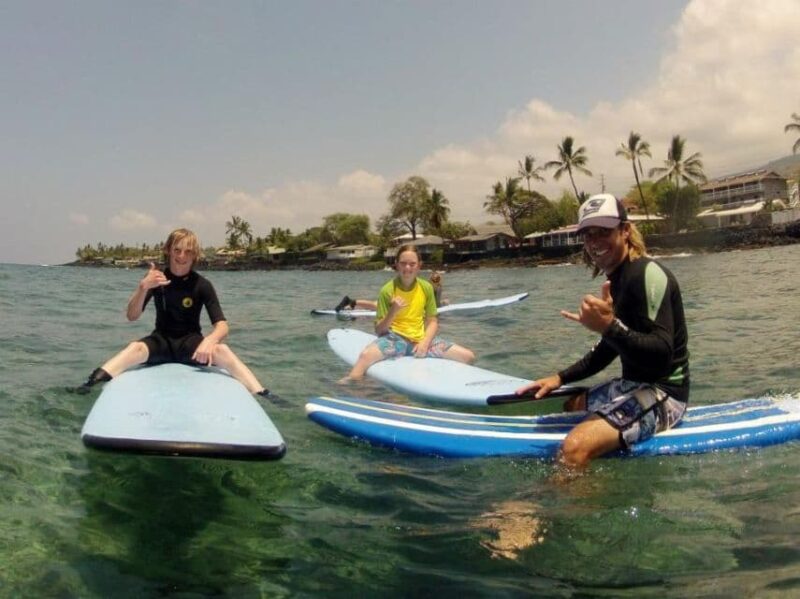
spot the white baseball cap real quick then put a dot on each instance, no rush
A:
(601, 210)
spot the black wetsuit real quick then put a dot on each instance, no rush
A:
(649, 333)
(178, 306)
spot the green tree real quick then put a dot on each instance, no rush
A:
(233, 241)
(513, 203)
(567, 209)
(570, 160)
(436, 212)
(633, 151)
(235, 229)
(528, 171)
(679, 203)
(795, 127)
(646, 192)
(676, 169)
(407, 202)
(456, 230)
(347, 229)
(388, 228)
(279, 237)
(307, 239)
(233, 232)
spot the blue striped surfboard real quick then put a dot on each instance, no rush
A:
(746, 423)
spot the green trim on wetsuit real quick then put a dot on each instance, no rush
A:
(655, 284)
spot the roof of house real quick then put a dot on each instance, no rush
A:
(755, 207)
(422, 240)
(484, 236)
(493, 228)
(358, 246)
(567, 229)
(739, 179)
(317, 248)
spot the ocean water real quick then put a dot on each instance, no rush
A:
(339, 518)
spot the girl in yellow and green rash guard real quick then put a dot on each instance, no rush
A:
(406, 321)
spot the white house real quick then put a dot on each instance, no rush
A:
(350, 252)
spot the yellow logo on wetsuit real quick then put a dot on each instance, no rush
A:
(187, 302)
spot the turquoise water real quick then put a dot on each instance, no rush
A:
(338, 518)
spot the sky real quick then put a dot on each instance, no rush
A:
(120, 121)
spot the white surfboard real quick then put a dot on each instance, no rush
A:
(180, 410)
(432, 379)
(476, 305)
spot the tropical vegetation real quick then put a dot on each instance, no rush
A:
(414, 207)
(633, 150)
(570, 160)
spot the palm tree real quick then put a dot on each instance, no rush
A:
(633, 151)
(676, 168)
(246, 231)
(235, 229)
(527, 170)
(437, 210)
(795, 126)
(232, 231)
(570, 160)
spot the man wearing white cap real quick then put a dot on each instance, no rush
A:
(639, 316)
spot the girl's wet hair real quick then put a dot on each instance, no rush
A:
(192, 244)
(409, 247)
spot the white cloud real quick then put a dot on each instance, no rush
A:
(296, 205)
(362, 183)
(78, 219)
(727, 85)
(132, 220)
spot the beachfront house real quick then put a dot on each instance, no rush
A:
(270, 255)
(350, 252)
(738, 199)
(490, 241)
(226, 255)
(426, 246)
(565, 237)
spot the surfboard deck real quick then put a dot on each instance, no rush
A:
(476, 305)
(180, 410)
(430, 379)
(727, 426)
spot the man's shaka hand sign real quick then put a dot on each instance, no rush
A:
(595, 313)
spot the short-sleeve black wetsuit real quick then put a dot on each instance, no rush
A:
(648, 334)
(178, 307)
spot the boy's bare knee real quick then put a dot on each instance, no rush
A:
(138, 349)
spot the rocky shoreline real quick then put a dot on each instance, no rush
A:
(691, 242)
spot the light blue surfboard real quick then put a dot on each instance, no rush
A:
(430, 379)
(476, 305)
(180, 410)
(741, 424)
